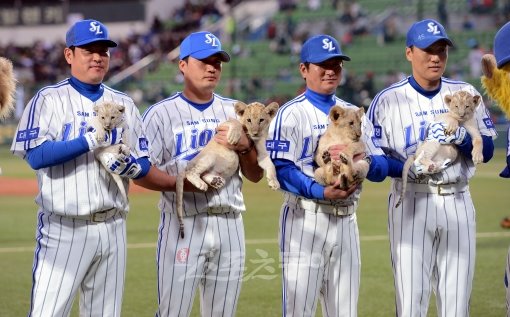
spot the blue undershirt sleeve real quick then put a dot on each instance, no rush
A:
(294, 181)
(467, 146)
(145, 165)
(51, 153)
(383, 166)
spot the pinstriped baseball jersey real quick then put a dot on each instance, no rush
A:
(80, 186)
(177, 131)
(299, 145)
(319, 251)
(400, 116)
(211, 255)
(432, 235)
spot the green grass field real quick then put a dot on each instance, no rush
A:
(260, 294)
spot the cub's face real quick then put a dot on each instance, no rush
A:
(256, 117)
(462, 105)
(109, 114)
(346, 121)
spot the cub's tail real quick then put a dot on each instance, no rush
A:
(179, 192)
(405, 173)
(120, 184)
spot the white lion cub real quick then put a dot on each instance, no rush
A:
(344, 128)
(215, 162)
(109, 116)
(433, 156)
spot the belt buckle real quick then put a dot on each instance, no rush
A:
(442, 190)
(215, 210)
(99, 216)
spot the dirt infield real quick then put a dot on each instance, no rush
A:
(10, 186)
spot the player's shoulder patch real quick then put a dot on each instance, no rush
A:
(377, 132)
(27, 135)
(277, 145)
(488, 123)
(143, 144)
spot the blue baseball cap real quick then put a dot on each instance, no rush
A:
(201, 45)
(88, 31)
(424, 33)
(319, 48)
(502, 45)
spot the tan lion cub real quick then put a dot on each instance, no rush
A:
(255, 119)
(344, 128)
(109, 116)
(215, 162)
(7, 88)
(434, 156)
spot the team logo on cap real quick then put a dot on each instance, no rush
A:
(328, 45)
(211, 39)
(433, 28)
(95, 28)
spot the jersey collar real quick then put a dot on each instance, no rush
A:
(320, 101)
(92, 92)
(426, 93)
(198, 106)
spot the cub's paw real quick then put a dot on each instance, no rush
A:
(217, 182)
(326, 157)
(451, 128)
(345, 159)
(477, 157)
(273, 183)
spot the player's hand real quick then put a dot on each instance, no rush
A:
(244, 143)
(333, 192)
(436, 132)
(120, 164)
(111, 137)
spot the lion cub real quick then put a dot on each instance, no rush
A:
(434, 156)
(109, 116)
(215, 162)
(7, 88)
(345, 129)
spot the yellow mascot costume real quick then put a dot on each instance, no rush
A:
(496, 82)
(496, 79)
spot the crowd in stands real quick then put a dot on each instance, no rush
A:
(42, 63)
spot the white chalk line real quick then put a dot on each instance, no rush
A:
(480, 235)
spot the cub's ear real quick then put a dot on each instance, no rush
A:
(448, 99)
(360, 111)
(121, 108)
(96, 108)
(240, 107)
(272, 108)
(476, 100)
(336, 112)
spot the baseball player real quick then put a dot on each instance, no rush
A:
(432, 233)
(81, 231)
(319, 240)
(211, 254)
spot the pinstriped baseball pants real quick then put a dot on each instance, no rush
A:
(320, 257)
(211, 256)
(74, 255)
(432, 242)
